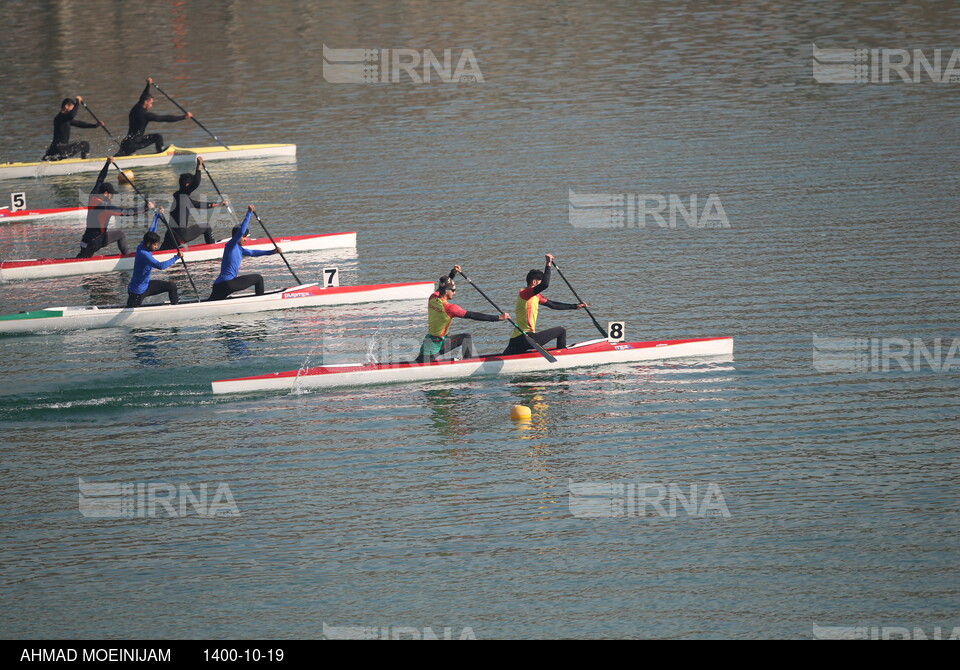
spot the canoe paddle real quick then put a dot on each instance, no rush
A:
(230, 209)
(276, 247)
(217, 139)
(532, 342)
(579, 299)
(90, 111)
(164, 219)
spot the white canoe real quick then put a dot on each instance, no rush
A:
(173, 154)
(40, 268)
(307, 295)
(78, 213)
(594, 352)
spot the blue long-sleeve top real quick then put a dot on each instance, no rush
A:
(234, 252)
(144, 264)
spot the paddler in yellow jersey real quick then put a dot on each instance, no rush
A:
(440, 313)
(528, 306)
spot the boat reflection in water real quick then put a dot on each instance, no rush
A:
(447, 410)
(147, 348)
(235, 338)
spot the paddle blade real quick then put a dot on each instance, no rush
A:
(543, 352)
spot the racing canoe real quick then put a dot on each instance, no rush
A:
(6, 216)
(306, 295)
(593, 352)
(41, 268)
(173, 154)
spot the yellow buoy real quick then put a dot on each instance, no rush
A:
(520, 413)
(126, 177)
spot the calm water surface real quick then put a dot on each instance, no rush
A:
(424, 505)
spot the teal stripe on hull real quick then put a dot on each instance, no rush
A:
(40, 314)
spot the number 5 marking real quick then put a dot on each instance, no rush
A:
(18, 201)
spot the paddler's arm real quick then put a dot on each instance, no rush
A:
(477, 316)
(156, 220)
(210, 204)
(133, 211)
(563, 305)
(257, 252)
(456, 311)
(102, 176)
(150, 260)
(454, 271)
(73, 114)
(242, 230)
(197, 176)
(79, 124)
(545, 282)
(163, 265)
(166, 118)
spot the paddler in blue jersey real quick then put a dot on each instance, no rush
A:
(141, 286)
(228, 282)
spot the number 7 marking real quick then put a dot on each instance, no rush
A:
(331, 277)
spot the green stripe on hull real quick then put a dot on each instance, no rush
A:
(40, 314)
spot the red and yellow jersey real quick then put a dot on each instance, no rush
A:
(440, 314)
(528, 306)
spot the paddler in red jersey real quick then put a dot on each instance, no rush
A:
(100, 210)
(528, 306)
(440, 312)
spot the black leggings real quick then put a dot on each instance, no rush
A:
(67, 150)
(464, 341)
(519, 344)
(138, 142)
(187, 234)
(222, 289)
(98, 243)
(153, 288)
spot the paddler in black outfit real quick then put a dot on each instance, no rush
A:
(140, 116)
(96, 236)
(61, 147)
(180, 213)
